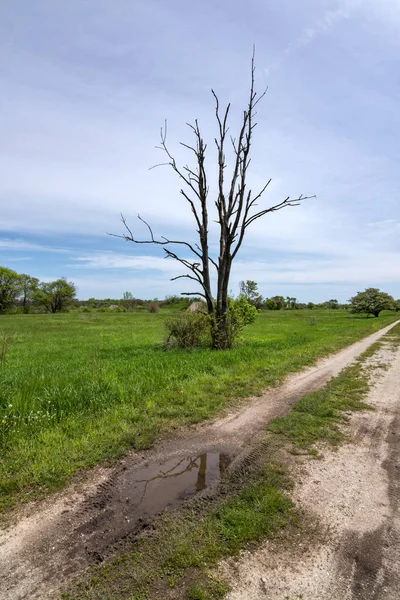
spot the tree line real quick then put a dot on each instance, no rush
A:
(19, 290)
(249, 289)
(26, 293)
(371, 302)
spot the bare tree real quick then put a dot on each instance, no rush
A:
(236, 209)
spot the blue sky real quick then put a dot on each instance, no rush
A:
(85, 86)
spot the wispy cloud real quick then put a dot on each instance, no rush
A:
(21, 245)
(113, 260)
(317, 27)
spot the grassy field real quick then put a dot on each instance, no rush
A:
(81, 387)
(178, 560)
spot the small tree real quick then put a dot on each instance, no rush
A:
(249, 290)
(28, 287)
(333, 304)
(371, 302)
(55, 296)
(291, 302)
(270, 304)
(10, 287)
(236, 210)
(129, 301)
(280, 302)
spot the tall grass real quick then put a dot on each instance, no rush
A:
(81, 387)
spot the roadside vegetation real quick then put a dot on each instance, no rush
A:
(178, 559)
(79, 388)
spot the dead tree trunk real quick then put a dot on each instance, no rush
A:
(235, 204)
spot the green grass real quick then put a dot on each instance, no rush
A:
(179, 559)
(82, 387)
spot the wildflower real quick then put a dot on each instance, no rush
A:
(10, 406)
(4, 421)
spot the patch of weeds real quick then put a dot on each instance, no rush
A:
(379, 367)
(210, 590)
(258, 512)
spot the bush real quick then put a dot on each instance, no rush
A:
(153, 307)
(187, 330)
(240, 313)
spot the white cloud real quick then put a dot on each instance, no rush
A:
(18, 245)
(83, 100)
(112, 260)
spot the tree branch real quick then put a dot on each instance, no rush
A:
(164, 241)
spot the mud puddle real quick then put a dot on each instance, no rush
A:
(124, 506)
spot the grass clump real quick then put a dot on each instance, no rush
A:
(211, 590)
(187, 330)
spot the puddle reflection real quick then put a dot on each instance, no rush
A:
(169, 483)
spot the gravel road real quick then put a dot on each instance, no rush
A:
(352, 497)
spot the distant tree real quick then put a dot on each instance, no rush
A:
(270, 304)
(129, 301)
(371, 302)
(279, 301)
(291, 302)
(249, 290)
(28, 286)
(55, 296)
(333, 304)
(10, 286)
(397, 305)
(311, 305)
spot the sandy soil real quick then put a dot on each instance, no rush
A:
(352, 496)
(50, 542)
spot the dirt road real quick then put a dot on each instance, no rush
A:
(352, 496)
(52, 541)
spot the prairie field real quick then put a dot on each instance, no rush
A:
(81, 387)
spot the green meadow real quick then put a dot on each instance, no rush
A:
(81, 387)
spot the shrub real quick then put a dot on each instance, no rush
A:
(240, 313)
(153, 307)
(187, 330)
